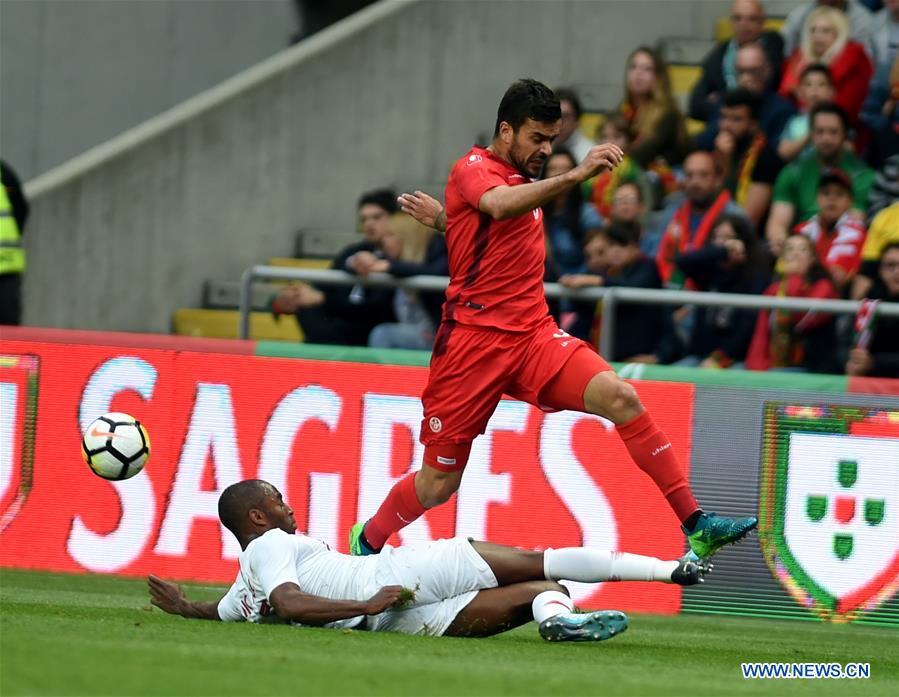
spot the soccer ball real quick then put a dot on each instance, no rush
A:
(116, 446)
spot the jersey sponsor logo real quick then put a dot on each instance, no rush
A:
(435, 424)
(828, 506)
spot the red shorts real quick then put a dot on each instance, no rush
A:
(472, 367)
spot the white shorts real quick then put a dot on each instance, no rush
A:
(446, 575)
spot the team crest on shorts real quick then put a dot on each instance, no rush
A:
(435, 424)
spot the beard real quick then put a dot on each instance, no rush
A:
(528, 167)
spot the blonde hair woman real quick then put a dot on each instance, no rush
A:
(825, 39)
(408, 248)
(652, 114)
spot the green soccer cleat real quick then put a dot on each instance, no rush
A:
(358, 546)
(712, 532)
(590, 626)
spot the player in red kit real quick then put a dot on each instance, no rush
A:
(497, 336)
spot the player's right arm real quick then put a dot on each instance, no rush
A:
(502, 202)
(290, 603)
(171, 599)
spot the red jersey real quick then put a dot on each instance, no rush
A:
(841, 246)
(496, 266)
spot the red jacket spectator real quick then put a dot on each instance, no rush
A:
(850, 70)
(837, 246)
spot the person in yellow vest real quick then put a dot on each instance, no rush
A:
(13, 214)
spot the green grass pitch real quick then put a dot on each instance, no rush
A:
(91, 635)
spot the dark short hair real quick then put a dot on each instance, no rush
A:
(829, 108)
(237, 500)
(816, 68)
(620, 235)
(383, 198)
(527, 99)
(567, 94)
(740, 96)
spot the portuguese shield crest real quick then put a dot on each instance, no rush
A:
(829, 493)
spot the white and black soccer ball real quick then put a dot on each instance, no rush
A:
(116, 446)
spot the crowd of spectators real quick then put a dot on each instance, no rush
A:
(788, 187)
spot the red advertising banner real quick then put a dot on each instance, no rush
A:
(333, 437)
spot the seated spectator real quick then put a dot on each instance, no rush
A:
(730, 262)
(657, 125)
(409, 249)
(686, 225)
(570, 137)
(719, 71)
(345, 314)
(628, 210)
(815, 87)
(567, 217)
(880, 113)
(877, 354)
(613, 258)
(861, 22)
(885, 42)
(825, 39)
(796, 188)
(838, 236)
(884, 231)
(600, 190)
(749, 162)
(754, 73)
(796, 340)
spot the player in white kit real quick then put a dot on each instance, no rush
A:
(452, 587)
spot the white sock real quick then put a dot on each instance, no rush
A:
(549, 604)
(596, 565)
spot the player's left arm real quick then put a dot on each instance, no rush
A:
(503, 202)
(171, 599)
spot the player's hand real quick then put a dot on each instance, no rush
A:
(384, 599)
(166, 596)
(859, 363)
(580, 280)
(599, 159)
(425, 209)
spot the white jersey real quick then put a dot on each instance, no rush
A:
(445, 576)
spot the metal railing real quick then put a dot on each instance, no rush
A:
(611, 296)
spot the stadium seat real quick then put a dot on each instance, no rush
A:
(224, 324)
(723, 30)
(303, 263)
(683, 77)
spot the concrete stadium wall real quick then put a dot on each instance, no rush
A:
(76, 73)
(125, 234)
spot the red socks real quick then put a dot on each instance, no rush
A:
(400, 508)
(651, 450)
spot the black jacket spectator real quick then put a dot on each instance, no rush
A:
(723, 332)
(436, 263)
(705, 97)
(348, 313)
